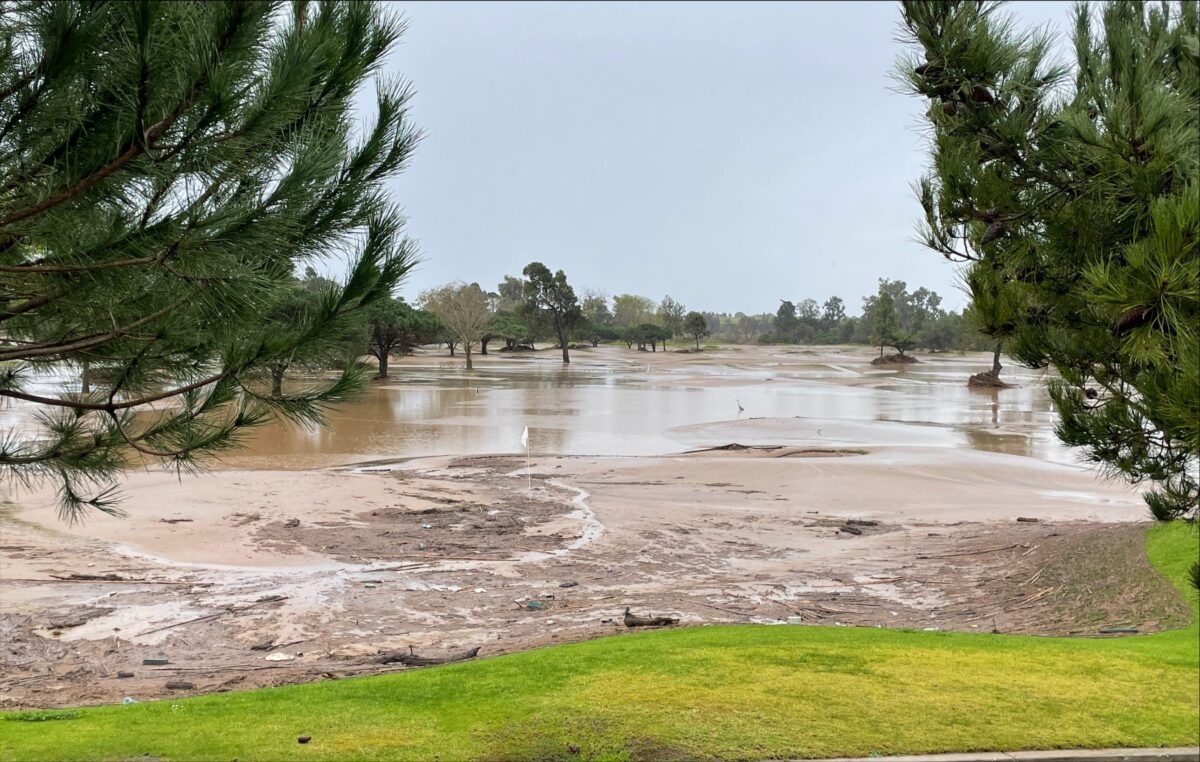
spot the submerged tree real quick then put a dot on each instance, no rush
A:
(395, 327)
(553, 298)
(463, 310)
(1086, 198)
(164, 169)
(993, 313)
(884, 326)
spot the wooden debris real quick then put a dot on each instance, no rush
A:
(632, 620)
(411, 659)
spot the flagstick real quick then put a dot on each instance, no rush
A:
(528, 473)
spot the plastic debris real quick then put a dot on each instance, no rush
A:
(129, 700)
(279, 657)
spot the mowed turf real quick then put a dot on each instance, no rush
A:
(730, 692)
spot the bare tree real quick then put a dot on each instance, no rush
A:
(463, 310)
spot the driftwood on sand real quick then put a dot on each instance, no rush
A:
(411, 659)
(633, 620)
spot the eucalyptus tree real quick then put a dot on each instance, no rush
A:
(165, 168)
(463, 310)
(1080, 187)
(670, 315)
(631, 310)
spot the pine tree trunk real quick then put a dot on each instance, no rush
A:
(483, 344)
(996, 360)
(562, 340)
(383, 364)
(85, 378)
(277, 380)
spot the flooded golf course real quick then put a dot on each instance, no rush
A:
(751, 484)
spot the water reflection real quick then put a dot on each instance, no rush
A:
(620, 407)
(616, 402)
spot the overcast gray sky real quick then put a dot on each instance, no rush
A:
(728, 154)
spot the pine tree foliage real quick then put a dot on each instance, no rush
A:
(165, 167)
(1080, 187)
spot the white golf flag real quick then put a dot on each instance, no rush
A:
(525, 438)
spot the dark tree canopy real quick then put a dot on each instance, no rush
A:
(1083, 199)
(395, 327)
(696, 326)
(553, 298)
(165, 168)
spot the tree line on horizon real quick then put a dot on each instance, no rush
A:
(540, 306)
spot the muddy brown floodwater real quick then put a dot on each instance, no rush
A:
(858, 496)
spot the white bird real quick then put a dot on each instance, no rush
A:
(740, 408)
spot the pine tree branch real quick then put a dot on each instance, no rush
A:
(48, 349)
(141, 142)
(111, 406)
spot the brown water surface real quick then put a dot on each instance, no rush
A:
(613, 401)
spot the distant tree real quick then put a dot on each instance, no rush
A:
(923, 307)
(945, 332)
(291, 309)
(633, 309)
(463, 310)
(807, 310)
(670, 315)
(696, 326)
(595, 308)
(884, 326)
(164, 168)
(993, 312)
(786, 322)
(651, 334)
(1085, 197)
(394, 327)
(747, 328)
(552, 297)
(509, 327)
(595, 332)
(512, 294)
(902, 341)
(834, 310)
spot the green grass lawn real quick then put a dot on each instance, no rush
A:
(744, 692)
